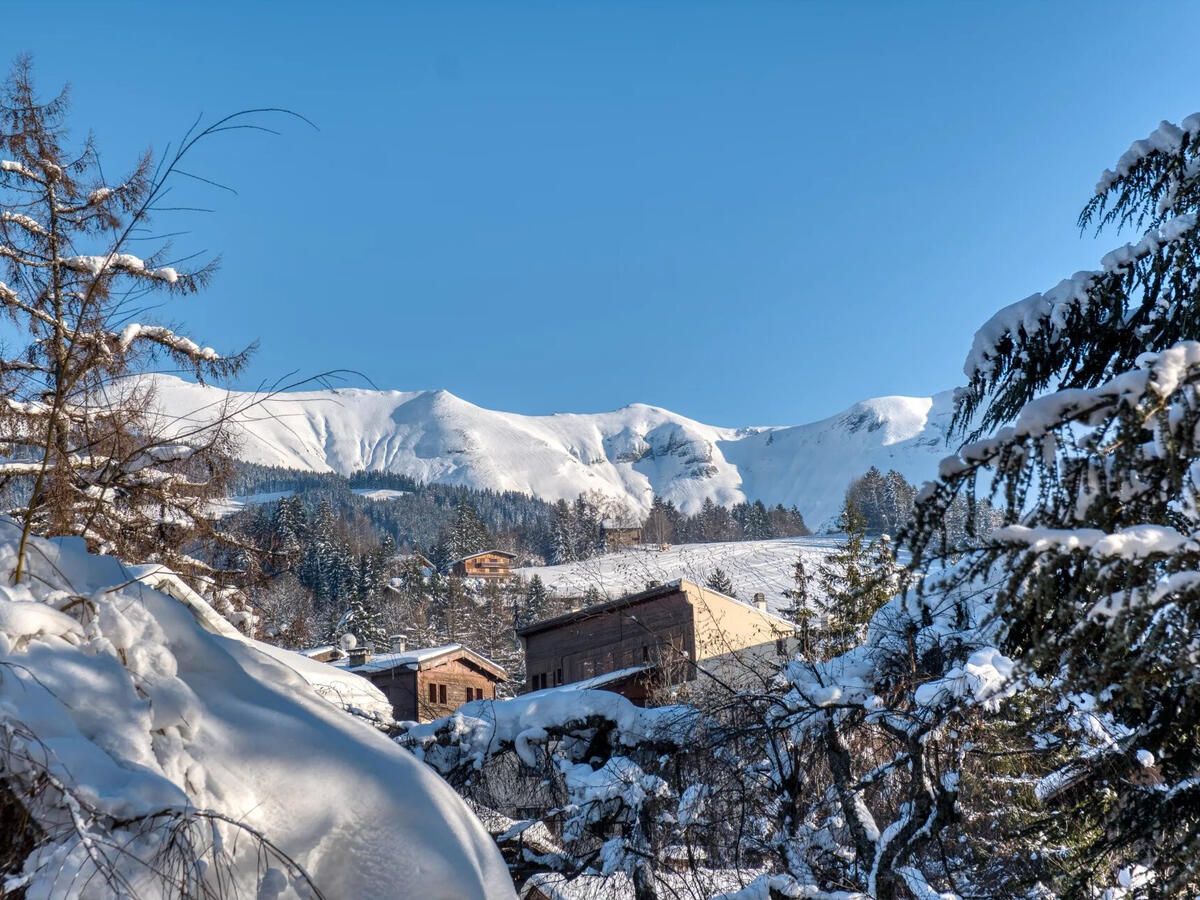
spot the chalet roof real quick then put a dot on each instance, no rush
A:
(317, 651)
(662, 590)
(609, 678)
(484, 553)
(420, 659)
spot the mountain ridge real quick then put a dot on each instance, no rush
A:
(631, 453)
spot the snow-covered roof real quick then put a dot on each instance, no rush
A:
(600, 681)
(422, 658)
(317, 651)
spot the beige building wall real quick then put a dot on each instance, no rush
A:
(737, 643)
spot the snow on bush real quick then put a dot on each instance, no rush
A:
(160, 753)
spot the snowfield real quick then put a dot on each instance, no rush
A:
(630, 453)
(753, 566)
(145, 710)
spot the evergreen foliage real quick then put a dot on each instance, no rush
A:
(536, 603)
(1097, 572)
(854, 581)
(719, 581)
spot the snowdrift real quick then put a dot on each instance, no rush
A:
(131, 721)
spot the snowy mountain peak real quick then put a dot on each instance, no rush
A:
(630, 453)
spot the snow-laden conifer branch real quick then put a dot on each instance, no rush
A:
(1098, 322)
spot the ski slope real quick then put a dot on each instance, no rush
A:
(764, 567)
(629, 454)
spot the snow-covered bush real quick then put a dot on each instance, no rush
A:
(839, 775)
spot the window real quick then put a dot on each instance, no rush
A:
(780, 646)
(433, 693)
(470, 694)
(442, 694)
(645, 653)
(558, 676)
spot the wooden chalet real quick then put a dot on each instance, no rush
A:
(494, 564)
(618, 538)
(427, 683)
(660, 637)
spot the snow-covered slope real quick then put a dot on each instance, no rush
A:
(753, 567)
(146, 736)
(630, 453)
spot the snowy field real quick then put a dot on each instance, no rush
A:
(380, 495)
(230, 505)
(752, 566)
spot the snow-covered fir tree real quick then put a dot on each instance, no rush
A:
(1084, 411)
(854, 581)
(719, 581)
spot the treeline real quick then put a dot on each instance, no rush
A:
(566, 531)
(755, 521)
(316, 575)
(418, 518)
(886, 503)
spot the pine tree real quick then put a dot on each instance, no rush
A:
(708, 521)
(802, 607)
(562, 534)
(757, 525)
(287, 527)
(659, 527)
(855, 580)
(536, 603)
(468, 534)
(720, 582)
(1095, 568)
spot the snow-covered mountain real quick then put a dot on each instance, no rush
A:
(630, 453)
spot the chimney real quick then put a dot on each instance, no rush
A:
(760, 602)
(399, 643)
(359, 656)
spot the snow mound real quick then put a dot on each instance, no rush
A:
(125, 712)
(630, 454)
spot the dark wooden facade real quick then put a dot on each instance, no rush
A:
(488, 564)
(423, 689)
(658, 637)
(616, 538)
(653, 638)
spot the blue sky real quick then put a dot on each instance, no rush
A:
(751, 213)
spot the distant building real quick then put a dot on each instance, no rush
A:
(423, 684)
(666, 635)
(617, 538)
(487, 564)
